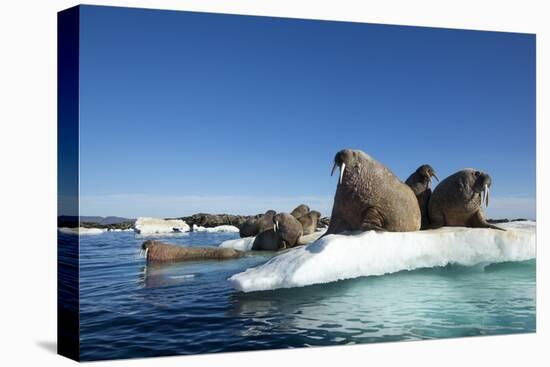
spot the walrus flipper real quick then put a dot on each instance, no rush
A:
(335, 226)
(489, 225)
(372, 220)
(479, 221)
(371, 227)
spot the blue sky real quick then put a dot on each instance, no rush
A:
(186, 112)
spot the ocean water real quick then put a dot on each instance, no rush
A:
(130, 310)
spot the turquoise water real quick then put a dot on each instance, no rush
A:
(128, 309)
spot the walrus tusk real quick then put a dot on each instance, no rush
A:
(342, 168)
(145, 253)
(486, 195)
(435, 176)
(333, 168)
(276, 226)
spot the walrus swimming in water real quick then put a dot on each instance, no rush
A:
(420, 182)
(457, 200)
(300, 211)
(157, 251)
(309, 222)
(370, 197)
(288, 228)
(254, 226)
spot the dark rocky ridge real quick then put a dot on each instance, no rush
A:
(200, 219)
(214, 220)
(72, 221)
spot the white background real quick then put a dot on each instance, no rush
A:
(28, 182)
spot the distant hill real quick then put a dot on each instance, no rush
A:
(72, 220)
(112, 220)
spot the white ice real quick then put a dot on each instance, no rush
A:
(338, 257)
(241, 244)
(146, 225)
(80, 230)
(223, 228)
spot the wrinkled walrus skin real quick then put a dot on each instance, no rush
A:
(300, 211)
(253, 227)
(309, 222)
(288, 228)
(268, 241)
(157, 251)
(419, 181)
(457, 200)
(370, 197)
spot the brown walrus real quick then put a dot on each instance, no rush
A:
(268, 241)
(300, 211)
(420, 182)
(254, 226)
(370, 197)
(457, 200)
(288, 229)
(309, 222)
(157, 251)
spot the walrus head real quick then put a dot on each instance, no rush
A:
(481, 184)
(145, 247)
(288, 228)
(300, 211)
(427, 171)
(315, 214)
(342, 159)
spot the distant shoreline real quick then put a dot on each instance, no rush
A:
(200, 219)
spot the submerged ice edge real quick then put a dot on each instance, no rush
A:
(339, 257)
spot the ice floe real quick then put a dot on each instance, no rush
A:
(241, 244)
(80, 230)
(223, 228)
(147, 225)
(338, 257)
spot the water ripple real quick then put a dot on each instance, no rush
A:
(128, 309)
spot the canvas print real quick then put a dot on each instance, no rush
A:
(238, 183)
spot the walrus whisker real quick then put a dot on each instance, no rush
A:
(342, 168)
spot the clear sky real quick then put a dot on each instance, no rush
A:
(187, 112)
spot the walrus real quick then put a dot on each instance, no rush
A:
(254, 226)
(268, 241)
(157, 251)
(309, 222)
(420, 182)
(370, 197)
(288, 228)
(457, 200)
(249, 228)
(300, 211)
